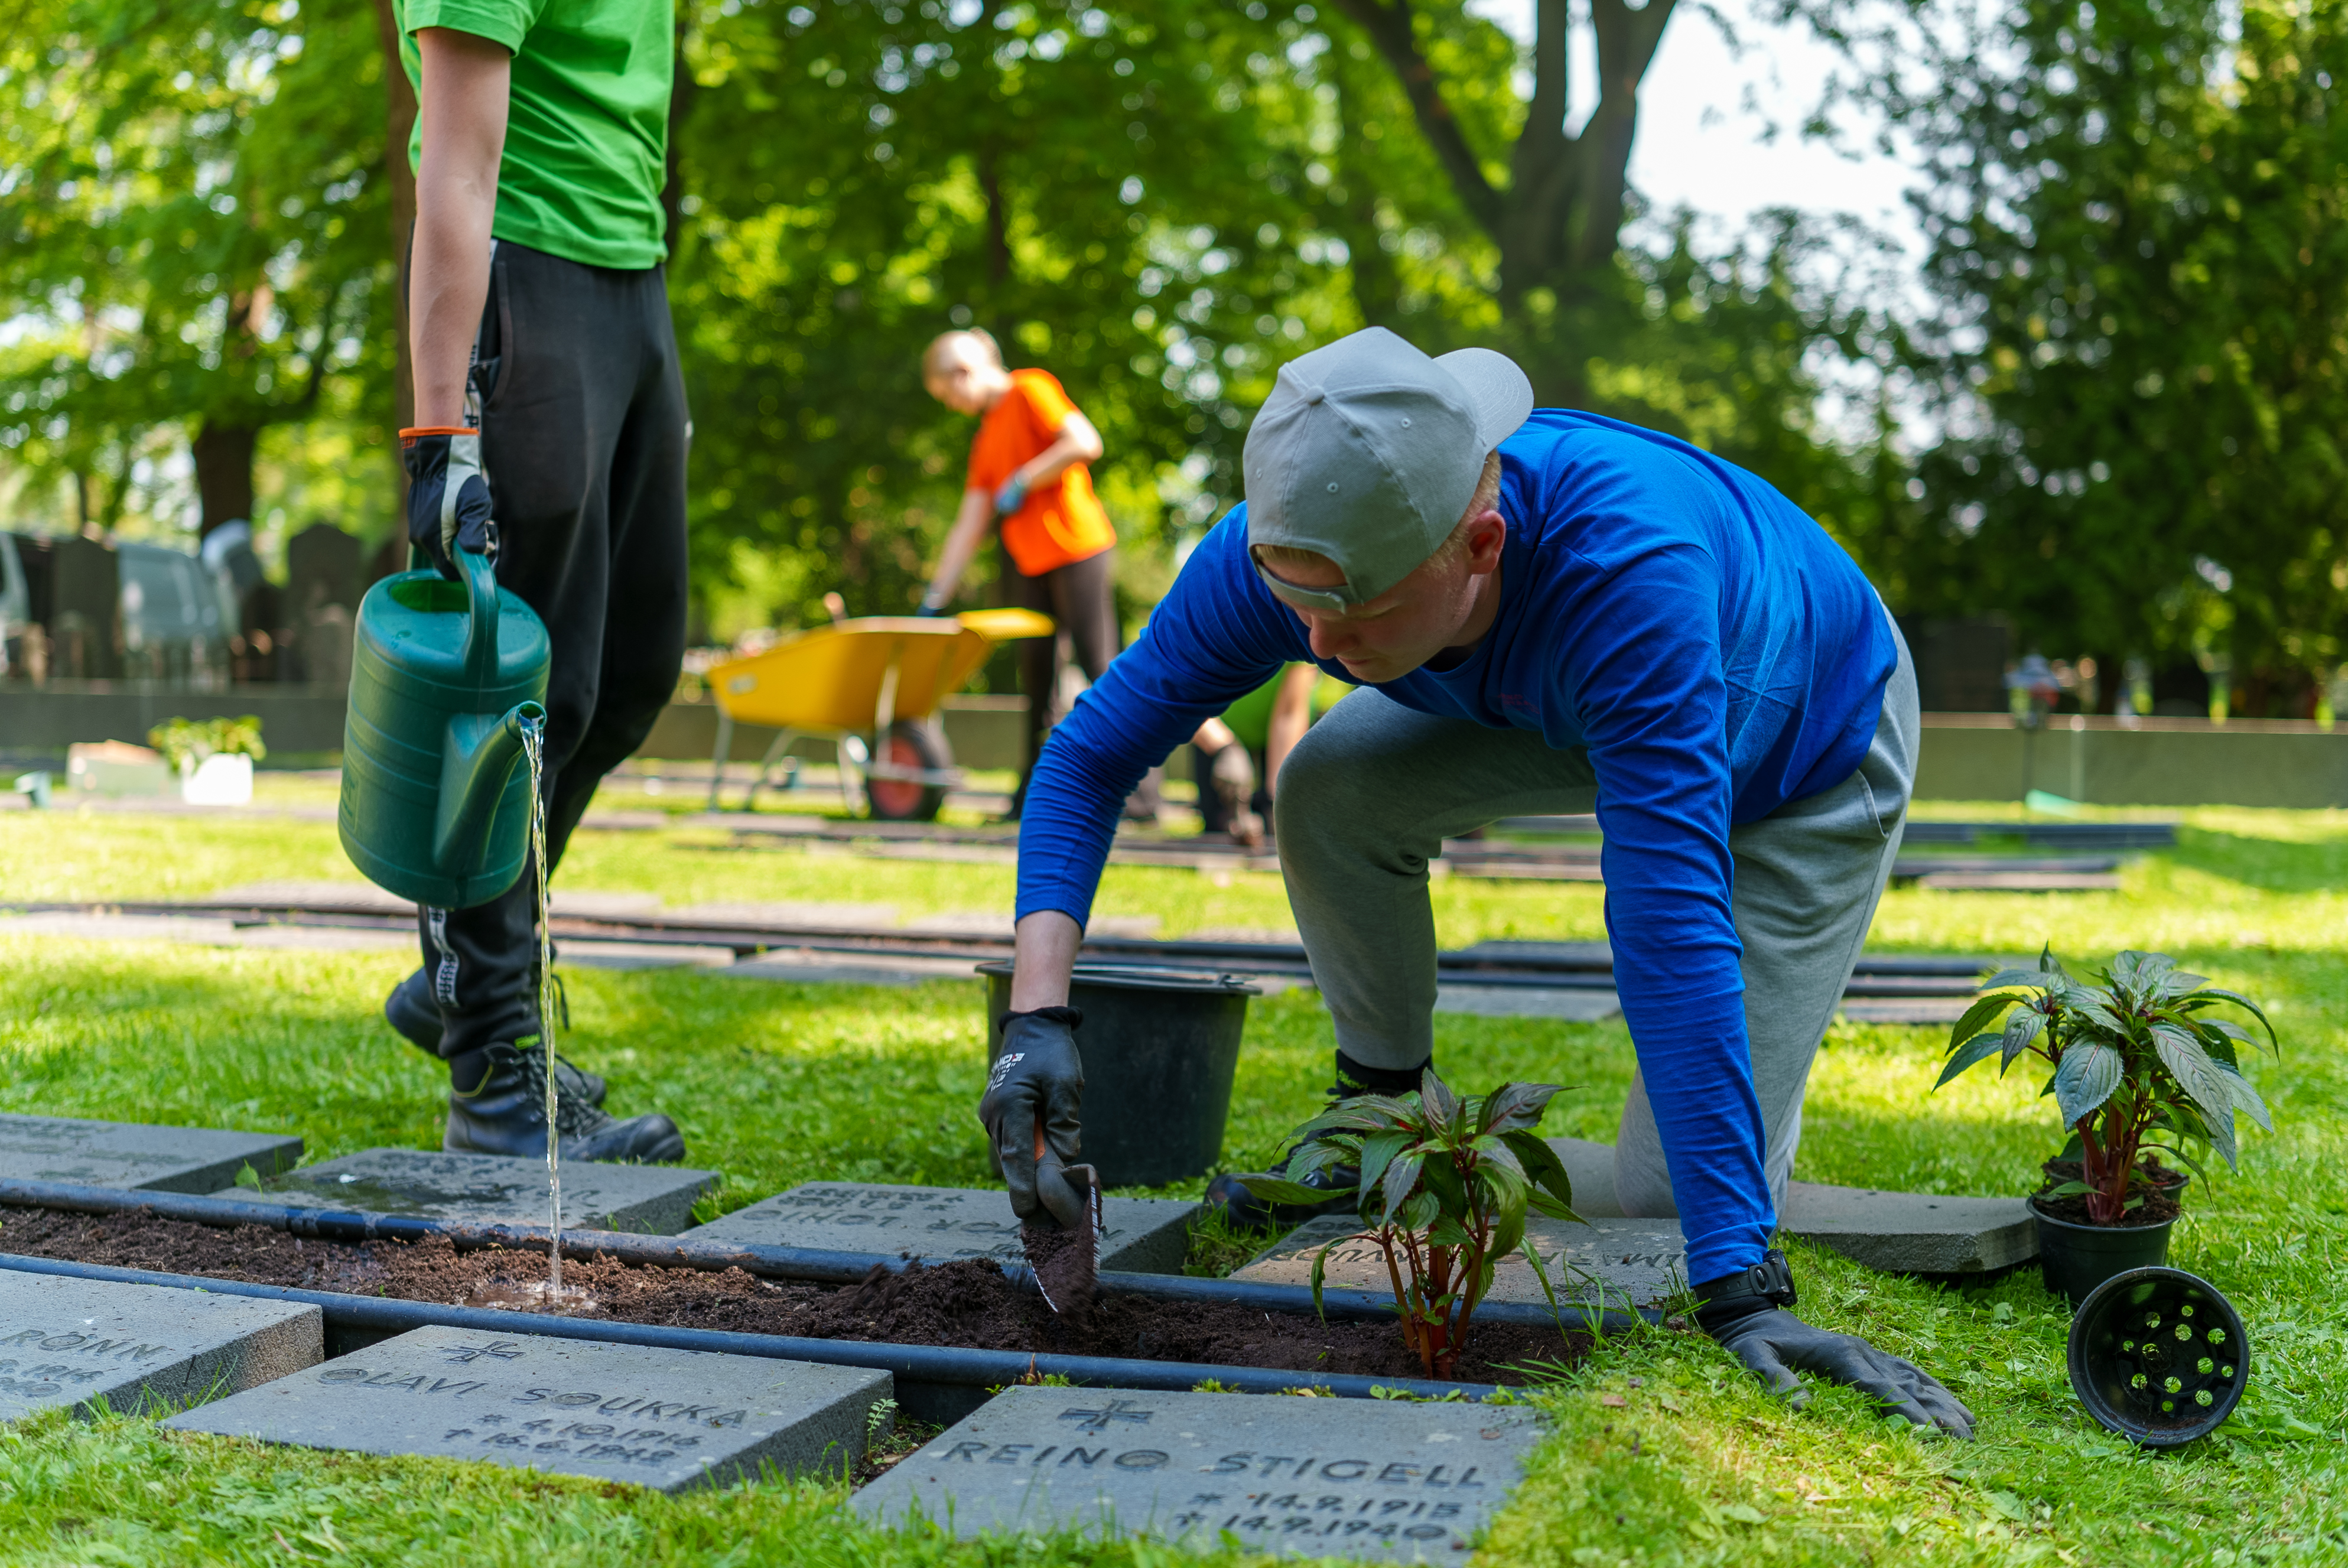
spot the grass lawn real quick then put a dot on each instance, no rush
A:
(776, 1085)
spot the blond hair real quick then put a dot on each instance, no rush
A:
(933, 357)
(1453, 549)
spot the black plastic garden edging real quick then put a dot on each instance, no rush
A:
(934, 1383)
(806, 1263)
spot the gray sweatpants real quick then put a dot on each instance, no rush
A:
(1369, 796)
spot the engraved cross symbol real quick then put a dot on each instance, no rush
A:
(1098, 1420)
(503, 1349)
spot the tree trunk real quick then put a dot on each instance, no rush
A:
(223, 455)
(400, 125)
(1557, 222)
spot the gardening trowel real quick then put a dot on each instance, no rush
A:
(1062, 1245)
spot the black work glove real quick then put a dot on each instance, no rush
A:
(448, 494)
(1774, 1344)
(1034, 1094)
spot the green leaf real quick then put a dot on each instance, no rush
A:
(1978, 1016)
(1525, 1250)
(1507, 1230)
(2203, 1080)
(2012, 979)
(1442, 1104)
(1513, 1105)
(1320, 1269)
(1377, 1152)
(2090, 1070)
(1441, 1177)
(1273, 1189)
(1541, 1166)
(2246, 1098)
(1420, 1212)
(2020, 1030)
(1541, 1202)
(2220, 994)
(1449, 1233)
(1401, 1181)
(1973, 1050)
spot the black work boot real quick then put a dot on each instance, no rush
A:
(505, 1113)
(411, 1010)
(1228, 1196)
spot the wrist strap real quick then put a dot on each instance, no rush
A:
(1072, 1017)
(1757, 1287)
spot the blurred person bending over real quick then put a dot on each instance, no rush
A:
(551, 428)
(1027, 468)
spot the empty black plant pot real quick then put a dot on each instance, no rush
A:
(2077, 1258)
(1160, 1047)
(2159, 1355)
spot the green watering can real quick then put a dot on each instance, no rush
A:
(443, 676)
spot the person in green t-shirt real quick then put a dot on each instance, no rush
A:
(1250, 741)
(551, 428)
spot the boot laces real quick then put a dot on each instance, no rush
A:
(571, 1114)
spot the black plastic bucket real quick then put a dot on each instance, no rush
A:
(2075, 1259)
(1160, 1047)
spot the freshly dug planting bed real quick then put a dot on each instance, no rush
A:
(967, 1304)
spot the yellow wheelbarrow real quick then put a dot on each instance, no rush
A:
(869, 685)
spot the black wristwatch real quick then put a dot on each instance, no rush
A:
(1756, 1287)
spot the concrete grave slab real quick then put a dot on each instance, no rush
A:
(1141, 1235)
(1348, 1477)
(1897, 1233)
(1567, 1004)
(489, 1189)
(133, 1155)
(1617, 1262)
(1912, 1233)
(75, 1343)
(667, 1419)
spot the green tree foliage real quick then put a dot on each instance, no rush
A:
(1160, 204)
(2142, 289)
(188, 229)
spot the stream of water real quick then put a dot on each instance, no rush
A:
(534, 746)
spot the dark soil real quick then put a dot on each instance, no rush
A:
(2159, 1205)
(966, 1303)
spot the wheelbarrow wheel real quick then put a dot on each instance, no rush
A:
(909, 745)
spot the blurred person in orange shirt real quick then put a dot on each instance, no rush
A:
(1027, 468)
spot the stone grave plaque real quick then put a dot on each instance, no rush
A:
(1899, 1232)
(490, 1190)
(667, 1419)
(126, 1154)
(76, 1342)
(1353, 1477)
(1624, 1263)
(1140, 1235)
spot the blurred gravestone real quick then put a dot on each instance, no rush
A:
(323, 566)
(1960, 664)
(75, 587)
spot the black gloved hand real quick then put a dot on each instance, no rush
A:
(448, 494)
(1774, 1344)
(1035, 1093)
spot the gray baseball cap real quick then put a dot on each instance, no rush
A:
(1368, 451)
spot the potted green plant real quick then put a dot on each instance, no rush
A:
(1443, 1187)
(2139, 1067)
(212, 757)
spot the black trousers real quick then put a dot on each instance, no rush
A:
(1081, 596)
(583, 431)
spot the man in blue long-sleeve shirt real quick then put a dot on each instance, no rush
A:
(1550, 611)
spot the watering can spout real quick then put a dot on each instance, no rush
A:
(477, 760)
